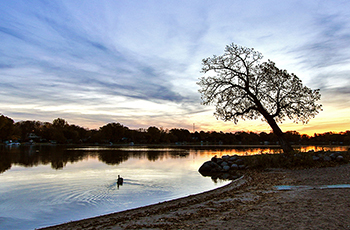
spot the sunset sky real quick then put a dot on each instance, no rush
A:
(137, 62)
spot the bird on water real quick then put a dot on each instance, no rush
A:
(120, 180)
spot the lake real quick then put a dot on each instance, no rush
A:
(48, 185)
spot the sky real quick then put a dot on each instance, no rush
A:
(137, 62)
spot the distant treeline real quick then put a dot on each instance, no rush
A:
(59, 131)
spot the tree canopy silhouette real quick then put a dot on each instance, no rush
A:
(243, 88)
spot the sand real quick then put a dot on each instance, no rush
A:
(251, 202)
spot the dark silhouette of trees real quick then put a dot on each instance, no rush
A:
(113, 132)
(6, 127)
(181, 135)
(59, 127)
(59, 123)
(153, 135)
(61, 132)
(243, 88)
(293, 136)
(25, 128)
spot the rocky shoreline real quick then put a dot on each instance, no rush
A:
(223, 168)
(232, 167)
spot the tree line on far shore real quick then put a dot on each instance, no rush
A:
(60, 132)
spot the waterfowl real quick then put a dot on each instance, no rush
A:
(120, 180)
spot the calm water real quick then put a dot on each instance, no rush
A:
(48, 185)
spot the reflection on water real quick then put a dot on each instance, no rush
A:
(59, 156)
(322, 148)
(47, 185)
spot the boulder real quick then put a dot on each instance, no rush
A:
(226, 157)
(234, 166)
(327, 158)
(233, 158)
(315, 158)
(340, 158)
(219, 161)
(241, 166)
(239, 161)
(225, 176)
(226, 168)
(209, 167)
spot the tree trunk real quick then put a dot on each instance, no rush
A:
(287, 148)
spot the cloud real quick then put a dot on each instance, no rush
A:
(138, 62)
(72, 59)
(330, 45)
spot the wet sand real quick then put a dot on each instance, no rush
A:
(251, 202)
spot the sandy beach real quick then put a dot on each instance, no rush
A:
(251, 202)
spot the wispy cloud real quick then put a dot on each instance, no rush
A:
(330, 45)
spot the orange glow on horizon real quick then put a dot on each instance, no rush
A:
(329, 120)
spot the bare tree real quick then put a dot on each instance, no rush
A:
(243, 88)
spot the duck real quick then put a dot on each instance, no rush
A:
(120, 180)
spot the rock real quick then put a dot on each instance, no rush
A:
(234, 166)
(333, 156)
(223, 164)
(219, 161)
(226, 168)
(327, 158)
(209, 167)
(315, 158)
(239, 161)
(214, 158)
(225, 158)
(340, 158)
(206, 166)
(233, 158)
(225, 176)
(241, 166)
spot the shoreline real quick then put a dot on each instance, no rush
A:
(155, 208)
(252, 202)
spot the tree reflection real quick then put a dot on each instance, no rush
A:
(30, 156)
(113, 157)
(154, 155)
(59, 156)
(5, 162)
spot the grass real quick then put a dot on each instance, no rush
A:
(295, 160)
